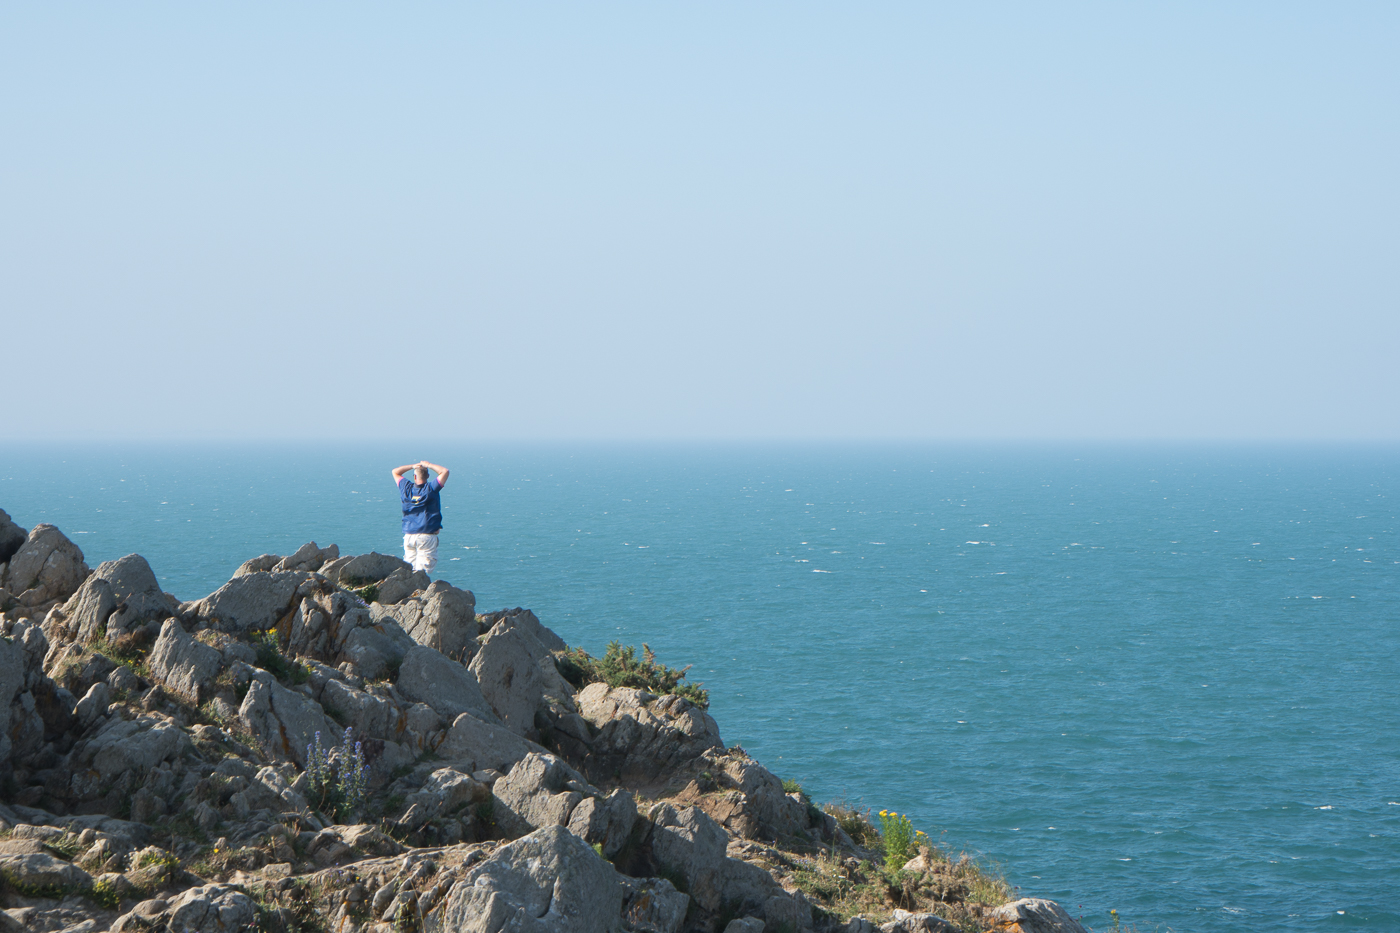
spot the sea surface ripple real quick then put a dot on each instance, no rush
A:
(1163, 680)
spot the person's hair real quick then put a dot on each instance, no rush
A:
(420, 473)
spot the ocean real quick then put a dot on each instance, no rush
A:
(1158, 679)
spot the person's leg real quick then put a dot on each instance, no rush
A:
(410, 550)
(427, 553)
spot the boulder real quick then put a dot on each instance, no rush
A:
(550, 881)
(540, 790)
(446, 791)
(507, 669)
(372, 647)
(122, 745)
(84, 615)
(607, 821)
(12, 676)
(653, 905)
(47, 566)
(212, 908)
(906, 922)
(187, 667)
(260, 564)
(250, 603)
(527, 622)
(686, 842)
(365, 568)
(428, 676)
(754, 805)
(42, 871)
(308, 558)
(93, 705)
(643, 738)
(475, 745)
(140, 600)
(745, 925)
(440, 616)
(400, 585)
(370, 715)
(267, 790)
(283, 721)
(12, 537)
(1033, 915)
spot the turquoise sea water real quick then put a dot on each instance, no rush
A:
(1164, 680)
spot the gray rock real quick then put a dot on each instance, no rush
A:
(213, 908)
(446, 790)
(547, 882)
(12, 675)
(654, 905)
(527, 622)
(477, 745)
(85, 613)
(11, 537)
(261, 564)
(508, 671)
(372, 647)
(124, 679)
(140, 600)
(754, 805)
(540, 790)
(907, 922)
(186, 666)
(283, 721)
(447, 621)
(369, 568)
(371, 716)
(136, 745)
(267, 790)
(93, 705)
(687, 842)
(745, 925)
(1035, 915)
(643, 737)
(308, 557)
(399, 585)
(47, 566)
(427, 676)
(40, 870)
(607, 821)
(250, 603)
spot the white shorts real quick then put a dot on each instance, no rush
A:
(421, 551)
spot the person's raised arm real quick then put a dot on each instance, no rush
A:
(441, 471)
(400, 471)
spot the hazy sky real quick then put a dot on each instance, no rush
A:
(668, 220)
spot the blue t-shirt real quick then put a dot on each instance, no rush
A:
(422, 507)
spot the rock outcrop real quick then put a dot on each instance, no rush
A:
(335, 742)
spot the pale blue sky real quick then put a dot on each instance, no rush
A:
(712, 220)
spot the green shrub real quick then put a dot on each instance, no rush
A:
(620, 667)
(272, 660)
(898, 834)
(105, 894)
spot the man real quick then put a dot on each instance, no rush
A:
(422, 512)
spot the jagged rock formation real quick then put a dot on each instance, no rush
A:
(335, 742)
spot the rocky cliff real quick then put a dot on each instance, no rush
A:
(334, 742)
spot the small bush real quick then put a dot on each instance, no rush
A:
(105, 894)
(793, 787)
(272, 660)
(620, 667)
(898, 834)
